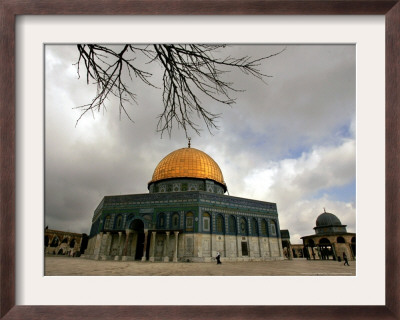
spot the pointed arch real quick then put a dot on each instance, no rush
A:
(175, 220)
(107, 223)
(243, 226)
(161, 220)
(254, 227)
(189, 223)
(232, 225)
(206, 222)
(264, 227)
(273, 227)
(220, 224)
(118, 222)
(340, 240)
(55, 242)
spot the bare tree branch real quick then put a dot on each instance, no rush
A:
(190, 71)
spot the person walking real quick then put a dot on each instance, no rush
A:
(218, 257)
(345, 259)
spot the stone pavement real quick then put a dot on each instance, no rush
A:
(68, 266)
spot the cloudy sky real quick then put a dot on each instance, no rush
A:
(290, 140)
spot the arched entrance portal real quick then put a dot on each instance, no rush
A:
(326, 249)
(138, 227)
(353, 246)
(286, 248)
(46, 241)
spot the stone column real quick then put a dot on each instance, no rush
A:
(128, 232)
(312, 253)
(269, 246)
(132, 247)
(90, 248)
(351, 251)
(119, 243)
(238, 246)
(119, 246)
(146, 233)
(46, 249)
(166, 258)
(334, 251)
(290, 251)
(103, 245)
(304, 250)
(153, 246)
(259, 245)
(96, 250)
(280, 249)
(224, 253)
(319, 252)
(176, 233)
(183, 244)
(213, 241)
(109, 244)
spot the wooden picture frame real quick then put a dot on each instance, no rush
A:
(10, 9)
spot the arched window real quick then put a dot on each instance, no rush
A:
(264, 228)
(175, 221)
(72, 243)
(254, 227)
(118, 222)
(161, 220)
(107, 222)
(232, 225)
(273, 228)
(55, 242)
(137, 225)
(65, 240)
(243, 226)
(189, 221)
(340, 240)
(206, 222)
(324, 241)
(220, 224)
(311, 243)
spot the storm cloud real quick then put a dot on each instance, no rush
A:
(290, 140)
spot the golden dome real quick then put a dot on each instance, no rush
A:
(188, 163)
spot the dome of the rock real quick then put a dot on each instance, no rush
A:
(188, 163)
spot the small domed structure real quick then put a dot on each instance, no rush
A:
(331, 239)
(328, 223)
(327, 219)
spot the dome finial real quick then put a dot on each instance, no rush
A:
(324, 210)
(189, 138)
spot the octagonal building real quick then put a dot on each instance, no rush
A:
(186, 216)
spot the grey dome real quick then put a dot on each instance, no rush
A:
(327, 219)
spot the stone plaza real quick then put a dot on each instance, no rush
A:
(69, 266)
